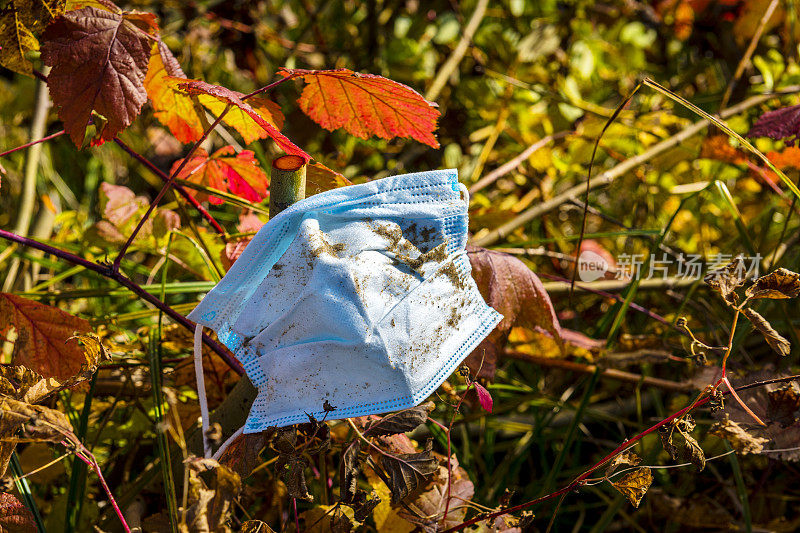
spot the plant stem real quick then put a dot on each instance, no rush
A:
(578, 481)
(29, 144)
(107, 272)
(180, 188)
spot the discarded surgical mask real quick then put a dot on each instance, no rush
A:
(359, 299)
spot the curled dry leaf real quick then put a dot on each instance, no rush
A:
(689, 450)
(210, 504)
(782, 283)
(634, 485)
(43, 332)
(774, 339)
(408, 471)
(401, 421)
(431, 502)
(625, 458)
(99, 61)
(366, 104)
(14, 516)
(727, 279)
(742, 441)
(20, 21)
(510, 287)
(255, 526)
(243, 454)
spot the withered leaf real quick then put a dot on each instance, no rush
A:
(255, 526)
(727, 279)
(33, 422)
(774, 339)
(782, 283)
(634, 485)
(401, 421)
(424, 508)
(742, 441)
(348, 472)
(20, 20)
(783, 404)
(363, 506)
(99, 61)
(243, 454)
(42, 335)
(292, 468)
(14, 516)
(690, 450)
(511, 288)
(210, 504)
(407, 471)
(625, 458)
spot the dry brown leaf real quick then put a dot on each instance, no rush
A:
(634, 485)
(776, 285)
(727, 279)
(511, 288)
(774, 339)
(742, 441)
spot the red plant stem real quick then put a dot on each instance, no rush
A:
(296, 518)
(91, 462)
(177, 171)
(164, 177)
(578, 481)
(165, 188)
(449, 453)
(107, 272)
(28, 145)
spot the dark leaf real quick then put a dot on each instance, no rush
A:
(210, 504)
(634, 485)
(625, 458)
(255, 526)
(774, 339)
(741, 441)
(783, 404)
(348, 472)
(691, 451)
(401, 421)
(780, 124)
(509, 286)
(776, 285)
(99, 62)
(408, 471)
(293, 468)
(14, 516)
(243, 454)
(727, 279)
(363, 506)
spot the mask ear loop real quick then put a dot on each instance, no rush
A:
(201, 387)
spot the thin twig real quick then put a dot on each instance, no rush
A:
(512, 164)
(580, 480)
(180, 188)
(29, 144)
(105, 270)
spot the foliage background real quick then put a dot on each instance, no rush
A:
(533, 69)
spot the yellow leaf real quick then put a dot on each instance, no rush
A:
(634, 485)
(20, 20)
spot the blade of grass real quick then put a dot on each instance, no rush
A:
(744, 234)
(25, 490)
(721, 124)
(77, 479)
(741, 488)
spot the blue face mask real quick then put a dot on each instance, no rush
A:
(360, 297)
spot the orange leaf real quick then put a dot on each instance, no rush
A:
(365, 104)
(265, 113)
(241, 121)
(717, 147)
(99, 62)
(320, 178)
(174, 109)
(42, 333)
(226, 170)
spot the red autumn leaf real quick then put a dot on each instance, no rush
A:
(782, 123)
(484, 397)
(510, 287)
(174, 109)
(366, 104)
(99, 62)
(226, 170)
(42, 333)
(14, 516)
(226, 96)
